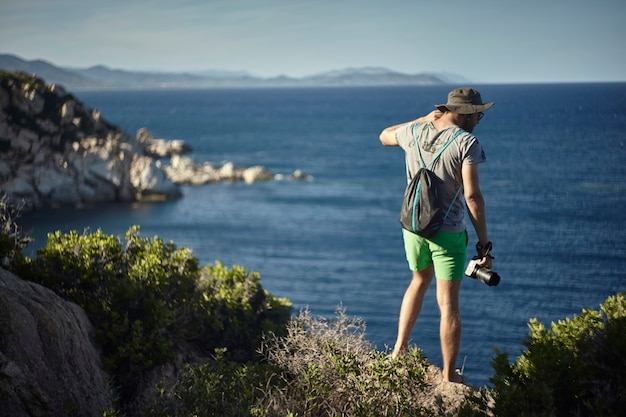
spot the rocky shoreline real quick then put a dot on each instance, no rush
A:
(56, 152)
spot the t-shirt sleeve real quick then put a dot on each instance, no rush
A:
(472, 151)
(404, 136)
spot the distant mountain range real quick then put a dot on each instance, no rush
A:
(100, 76)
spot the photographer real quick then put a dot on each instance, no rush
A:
(444, 255)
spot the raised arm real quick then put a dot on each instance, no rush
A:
(388, 135)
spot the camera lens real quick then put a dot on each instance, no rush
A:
(488, 277)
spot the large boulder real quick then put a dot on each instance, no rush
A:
(161, 148)
(150, 181)
(256, 173)
(49, 364)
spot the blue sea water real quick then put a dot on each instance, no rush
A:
(555, 186)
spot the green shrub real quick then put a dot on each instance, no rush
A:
(144, 296)
(134, 296)
(575, 368)
(220, 388)
(237, 310)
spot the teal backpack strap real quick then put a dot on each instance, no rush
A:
(419, 151)
(417, 147)
(458, 190)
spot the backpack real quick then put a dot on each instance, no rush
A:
(422, 210)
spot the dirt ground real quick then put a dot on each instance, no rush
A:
(449, 395)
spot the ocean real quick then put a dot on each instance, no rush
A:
(554, 183)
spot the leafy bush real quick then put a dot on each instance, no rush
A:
(220, 388)
(133, 297)
(237, 310)
(145, 296)
(575, 368)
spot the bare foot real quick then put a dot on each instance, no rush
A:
(398, 352)
(456, 378)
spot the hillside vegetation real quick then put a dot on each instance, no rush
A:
(148, 299)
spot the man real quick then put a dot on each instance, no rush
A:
(444, 254)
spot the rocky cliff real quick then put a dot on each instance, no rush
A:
(54, 151)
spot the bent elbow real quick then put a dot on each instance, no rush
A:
(474, 198)
(388, 139)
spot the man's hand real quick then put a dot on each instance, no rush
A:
(486, 262)
(484, 250)
(430, 117)
(388, 136)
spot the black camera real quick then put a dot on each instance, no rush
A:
(485, 275)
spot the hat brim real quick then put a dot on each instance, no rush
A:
(464, 108)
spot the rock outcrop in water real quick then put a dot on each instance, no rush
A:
(54, 151)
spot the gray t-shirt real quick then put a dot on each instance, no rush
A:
(464, 150)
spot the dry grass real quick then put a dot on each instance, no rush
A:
(328, 368)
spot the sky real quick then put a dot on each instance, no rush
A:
(484, 41)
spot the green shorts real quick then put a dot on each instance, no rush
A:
(446, 251)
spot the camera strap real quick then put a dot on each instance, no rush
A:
(484, 250)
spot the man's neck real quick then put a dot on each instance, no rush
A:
(447, 120)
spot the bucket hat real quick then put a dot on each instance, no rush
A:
(464, 101)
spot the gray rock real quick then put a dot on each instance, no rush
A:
(161, 148)
(183, 170)
(150, 181)
(49, 365)
(5, 170)
(20, 191)
(56, 185)
(255, 174)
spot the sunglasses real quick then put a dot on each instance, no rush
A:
(480, 116)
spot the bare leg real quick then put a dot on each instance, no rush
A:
(450, 326)
(410, 308)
